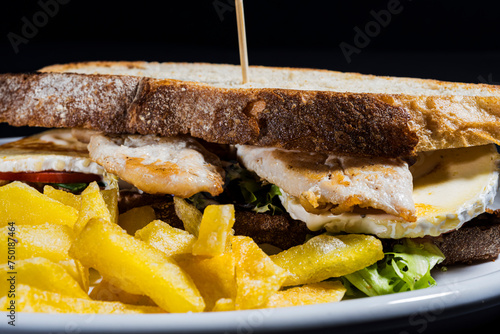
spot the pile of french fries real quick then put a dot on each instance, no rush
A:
(76, 254)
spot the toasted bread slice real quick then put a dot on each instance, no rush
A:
(312, 110)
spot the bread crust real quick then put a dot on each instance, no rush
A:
(53, 100)
(429, 115)
(356, 124)
(442, 122)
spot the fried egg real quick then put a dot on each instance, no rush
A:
(450, 187)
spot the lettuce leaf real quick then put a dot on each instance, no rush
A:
(245, 190)
(262, 198)
(72, 187)
(75, 188)
(407, 267)
(258, 195)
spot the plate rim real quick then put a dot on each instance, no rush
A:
(451, 297)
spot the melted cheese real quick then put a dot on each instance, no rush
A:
(450, 188)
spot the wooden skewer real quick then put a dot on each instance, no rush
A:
(242, 40)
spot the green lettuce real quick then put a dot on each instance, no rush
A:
(257, 195)
(72, 187)
(262, 198)
(244, 189)
(407, 267)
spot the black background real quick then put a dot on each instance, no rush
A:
(446, 40)
(450, 40)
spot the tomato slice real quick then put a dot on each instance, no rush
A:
(50, 177)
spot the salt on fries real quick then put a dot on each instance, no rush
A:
(147, 266)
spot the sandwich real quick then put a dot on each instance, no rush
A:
(298, 151)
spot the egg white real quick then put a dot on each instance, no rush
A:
(53, 150)
(450, 187)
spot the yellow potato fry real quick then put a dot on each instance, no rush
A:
(189, 214)
(42, 274)
(326, 256)
(216, 224)
(94, 277)
(136, 267)
(93, 206)
(257, 276)
(24, 205)
(136, 218)
(309, 294)
(214, 276)
(224, 304)
(62, 196)
(33, 300)
(110, 197)
(50, 241)
(168, 239)
(77, 271)
(106, 291)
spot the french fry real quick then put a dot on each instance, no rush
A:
(106, 291)
(93, 206)
(257, 276)
(79, 272)
(136, 218)
(213, 276)
(326, 256)
(50, 241)
(136, 267)
(188, 214)
(224, 304)
(215, 227)
(62, 196)
(94, 277)
(30, 299)
(110, 197)
(42, 274)
(309, 294)
(170, 240)
(162, 268)
(24, 205)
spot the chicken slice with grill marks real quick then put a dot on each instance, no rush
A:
(159, 165)
(337, 183)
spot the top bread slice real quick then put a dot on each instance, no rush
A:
(304, 109)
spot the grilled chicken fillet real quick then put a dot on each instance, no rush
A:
(158, 165)
(336, 183)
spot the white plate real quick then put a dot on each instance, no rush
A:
(459, 290)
